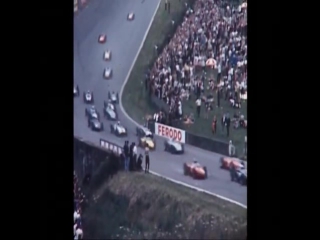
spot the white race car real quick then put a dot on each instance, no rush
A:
(107, 55)
(109, 111)
(118, 129)
(130, 16)
(88, 97)
(102, 38)
(113, 97)
(107, 74)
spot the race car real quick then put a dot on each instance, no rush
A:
(113, 97)
(107, 55)
(107, 74)
(239, 175)
(76, 91)
(95, 124)
(118, 130)
(109, 111)
(195, 170)
(88, 97)
(147, 141)
(173, 146)
(102, 38)
(92, 113)
(130, 16)
(142, 131)
(227, 162)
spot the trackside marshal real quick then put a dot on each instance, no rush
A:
(172, 133)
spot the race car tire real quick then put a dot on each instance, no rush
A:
(185, 169)
(205, 172)
(221, 163)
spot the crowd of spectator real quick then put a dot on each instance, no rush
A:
(78, 201)
(212, 35)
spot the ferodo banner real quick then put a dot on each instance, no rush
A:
(170, 132)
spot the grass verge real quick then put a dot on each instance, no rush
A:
(134, 97)
(143, 206)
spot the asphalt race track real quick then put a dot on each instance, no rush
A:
(124, 39)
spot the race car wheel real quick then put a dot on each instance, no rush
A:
(205, 172)
(185, 169)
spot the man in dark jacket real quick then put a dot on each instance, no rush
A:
(131, 165)
(126, 155)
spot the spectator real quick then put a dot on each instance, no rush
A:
(126, 155)
(147, 160)
(198, 104)
(231, 149)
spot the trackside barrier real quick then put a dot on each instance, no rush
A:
(111, 147)
(137, 124)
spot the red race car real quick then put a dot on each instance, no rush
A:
(102, 38)
(195, 170)
(227, 162)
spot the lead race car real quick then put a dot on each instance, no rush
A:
(145, 138)
(195, 170)
(88, 97)
(113, 97)
(109, 111)
(239, 175)
(102, 38)
(172, 146)
(118, 130)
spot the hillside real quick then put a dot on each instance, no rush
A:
(138, 205)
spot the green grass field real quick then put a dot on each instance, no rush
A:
(134, 95)
(143, 206)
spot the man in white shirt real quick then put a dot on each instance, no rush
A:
(198, 104)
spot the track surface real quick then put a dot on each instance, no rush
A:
(124, 39)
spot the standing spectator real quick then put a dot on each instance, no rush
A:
(169, 6)
(231, 149)
(166, 5)
(223, 122)
(126, 155)
(131, 165)
(227, 123)
(135, 154)
(198, 104)
(214, 125)
(147, 160)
